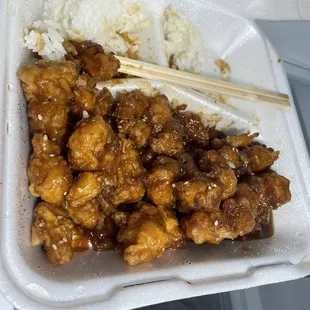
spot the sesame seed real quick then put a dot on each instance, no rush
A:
(65, 239)
(61, 242)
(54, 139)
(65, 193)
(41, 224)
(209, 187)
(52, 155)
(40, 117)
(85, 114)
(173, 185)
(186, 183)
(216, 223)
(54, 246)
(59, 217)
(214, 185)
(45, 137)
(231, 165)
(233, 148)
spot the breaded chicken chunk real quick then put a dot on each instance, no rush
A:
(85, 187)
(130, 118)
(87, 215)
(217, 168)
(195, 131)
(88, 142)
(53, 229)
(236, 218)
(240, 141)
(158, 113)
(48, 81)
(160, 181)
(49, 174)
(84, 95)
(169, 141)
(273, 190)
(199, 194)
(88, 100)
(261, 157)
(148, 233)
(176, 237)
(130, 187)
(48, 88)
(94, 61)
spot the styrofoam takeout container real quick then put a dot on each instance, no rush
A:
(102, 280)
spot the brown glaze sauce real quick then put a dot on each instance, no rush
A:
(99, 240)
(263, 231)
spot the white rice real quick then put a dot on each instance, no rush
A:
(101, 21)
(183, 42)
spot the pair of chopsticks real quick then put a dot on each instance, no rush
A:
(197, 82)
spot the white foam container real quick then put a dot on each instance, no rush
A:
(102, 280)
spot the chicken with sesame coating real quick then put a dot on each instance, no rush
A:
(136, 173)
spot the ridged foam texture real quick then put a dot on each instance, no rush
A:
(101, 280)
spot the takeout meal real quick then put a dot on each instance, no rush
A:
(136, 174)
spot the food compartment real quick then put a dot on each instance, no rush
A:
(102, 277)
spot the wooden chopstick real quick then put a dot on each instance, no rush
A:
(194, 81)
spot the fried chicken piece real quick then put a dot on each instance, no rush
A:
(261, 157)
(137, 130)
(94, 61)
(236, 218)
(43, 147)
(87, 215)
(158, 113)
(195, 131)
(169, 141)
(159, 182)
(88, 142)
(144, 236)
(240, 211)
(273, 190)
(48, 87)
(84, 95)
(167, 132)
(240, 141)
(200, 227)
(85, 187)
(50, 178)
(130, 118)
(88, 100)
(104, 103)
(131, 105)
(50, 118)
(251, 159)
(130, 187)
(217, 168)
(148, 233)
(176, 237)
(49, 175)
(199, 194)
(48, 82)
(53, 229)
